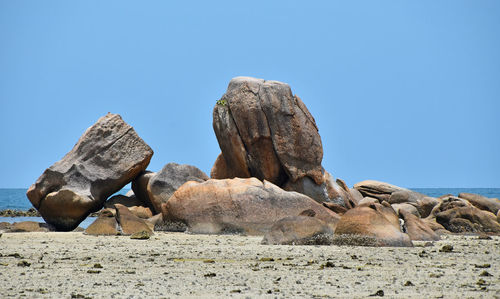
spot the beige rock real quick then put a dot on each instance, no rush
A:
(237, 205)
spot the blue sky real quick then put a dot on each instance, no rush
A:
(406, 92)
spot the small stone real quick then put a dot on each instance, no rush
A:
(210, 275)
(98, 266)
(379, 293)
(23, 264)
(484, 237)
(142, 235)
(235, 291)
(481, 282)
(267, 259)
(209, 261)
(408, 284)
(482, 266)
(446, 248)
(485, 273)
(94, 271)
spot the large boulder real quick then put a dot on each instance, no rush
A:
(237, 206)
(377, 222)
(482, 202)
(304, 229)
(160, 186)
(106, 157)
(264, 131)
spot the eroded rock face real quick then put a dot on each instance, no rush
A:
(130, 223)
(264, 131)
(106, 157)
(237, 205)
(375, 221)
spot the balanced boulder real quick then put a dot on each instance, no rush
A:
(264, 131)
(106, 157)
(237, 206)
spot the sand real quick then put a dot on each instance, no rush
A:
(170, 265)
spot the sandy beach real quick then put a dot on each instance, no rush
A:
(170, 265)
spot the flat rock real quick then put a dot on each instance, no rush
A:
(28, 226)
(106, 157)
(237, 206)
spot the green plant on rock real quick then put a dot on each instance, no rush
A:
(222, 102)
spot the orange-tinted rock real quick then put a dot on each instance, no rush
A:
(299, 230)
(482, 202)
(103, 225)
(28, 226)
(128, 222)
(373, 221)
(237, 205)
(417, 229)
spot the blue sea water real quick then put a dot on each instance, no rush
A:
(15, 199)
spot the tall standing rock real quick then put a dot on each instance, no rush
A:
(264, 131)
(106, 157)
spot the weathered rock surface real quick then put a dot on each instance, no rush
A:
(387, 192)
(406, 207)
(162, 185)
(375, 221)
(106, 157)
(468, 219)
(299, 230)
(417, 229)
(237, 205)
(129, 223)
(128, 201)
(425, 205)
(266, 132)
(482, 202)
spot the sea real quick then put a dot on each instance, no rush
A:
(15, 199)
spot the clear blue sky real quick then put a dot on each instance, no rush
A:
(406, 92)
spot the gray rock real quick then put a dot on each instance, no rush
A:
(106, 157)
(160, 186)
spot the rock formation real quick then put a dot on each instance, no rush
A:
(156, 188)
(237, 206)
(374, 221)
(264, 131)
(106, 157)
